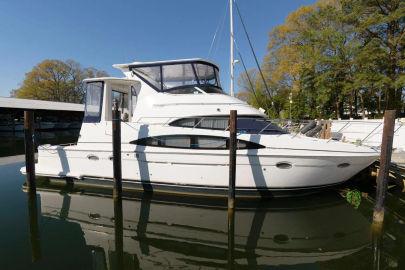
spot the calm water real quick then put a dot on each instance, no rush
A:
(64, 228)
(13, 144)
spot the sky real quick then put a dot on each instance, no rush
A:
(101, 33)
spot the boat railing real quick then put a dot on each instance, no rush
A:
(340, 130)
(372, 132)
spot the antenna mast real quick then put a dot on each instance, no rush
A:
(231, 56)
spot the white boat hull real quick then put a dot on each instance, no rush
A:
(206, 171)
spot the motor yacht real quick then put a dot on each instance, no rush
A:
(175, 138)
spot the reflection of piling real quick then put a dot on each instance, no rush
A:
(385, 160)
(29, 149)
(232, 158)
(119, 233)
(33, 223)
(231, 238)
(376, 246)
(116, 140)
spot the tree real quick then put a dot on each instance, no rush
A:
(380, 25)
(338, 58)
(56, 80)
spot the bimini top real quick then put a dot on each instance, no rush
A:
(184, 76)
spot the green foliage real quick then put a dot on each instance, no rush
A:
(56, 80)
(337, 58)
(354, 198)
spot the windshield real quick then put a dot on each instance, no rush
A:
(182, 78)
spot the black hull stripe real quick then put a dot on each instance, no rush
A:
(199, 190)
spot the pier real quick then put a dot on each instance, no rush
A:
(48, 115)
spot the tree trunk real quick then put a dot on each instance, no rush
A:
(363, 113)
(351, 105)
(356, 109)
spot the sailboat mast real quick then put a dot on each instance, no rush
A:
(232, 62)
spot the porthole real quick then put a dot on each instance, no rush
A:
(92, 157)
(343, 165)
(284, 165)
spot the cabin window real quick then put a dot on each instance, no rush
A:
(194, 142)
(94, 100)
(247, 125)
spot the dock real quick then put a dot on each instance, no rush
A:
(49, 115)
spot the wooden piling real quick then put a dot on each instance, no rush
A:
(116, 140)
(232, 158)
(385, 161)
(29, 149)
(326, 129)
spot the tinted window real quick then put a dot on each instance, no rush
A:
(244, 125)
(194, 142)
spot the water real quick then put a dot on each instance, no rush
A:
(65, 228)
(13, 143)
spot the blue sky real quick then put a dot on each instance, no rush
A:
(101, 33)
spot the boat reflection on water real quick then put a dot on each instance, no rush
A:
(153, 232)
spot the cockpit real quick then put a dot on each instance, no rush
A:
(179, 77)
(101, 93)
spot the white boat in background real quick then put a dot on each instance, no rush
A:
(369, 132)
(175, 138)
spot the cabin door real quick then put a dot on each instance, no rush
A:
(122, 99)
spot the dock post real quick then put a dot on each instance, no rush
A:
(385, 161)
(232, 158)
(116, 140)
(29, 149)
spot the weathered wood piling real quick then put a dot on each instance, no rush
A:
(231, 189)
(29, 149)
(385, 161)
(232, 158)
(326, 129)
(116, 141)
